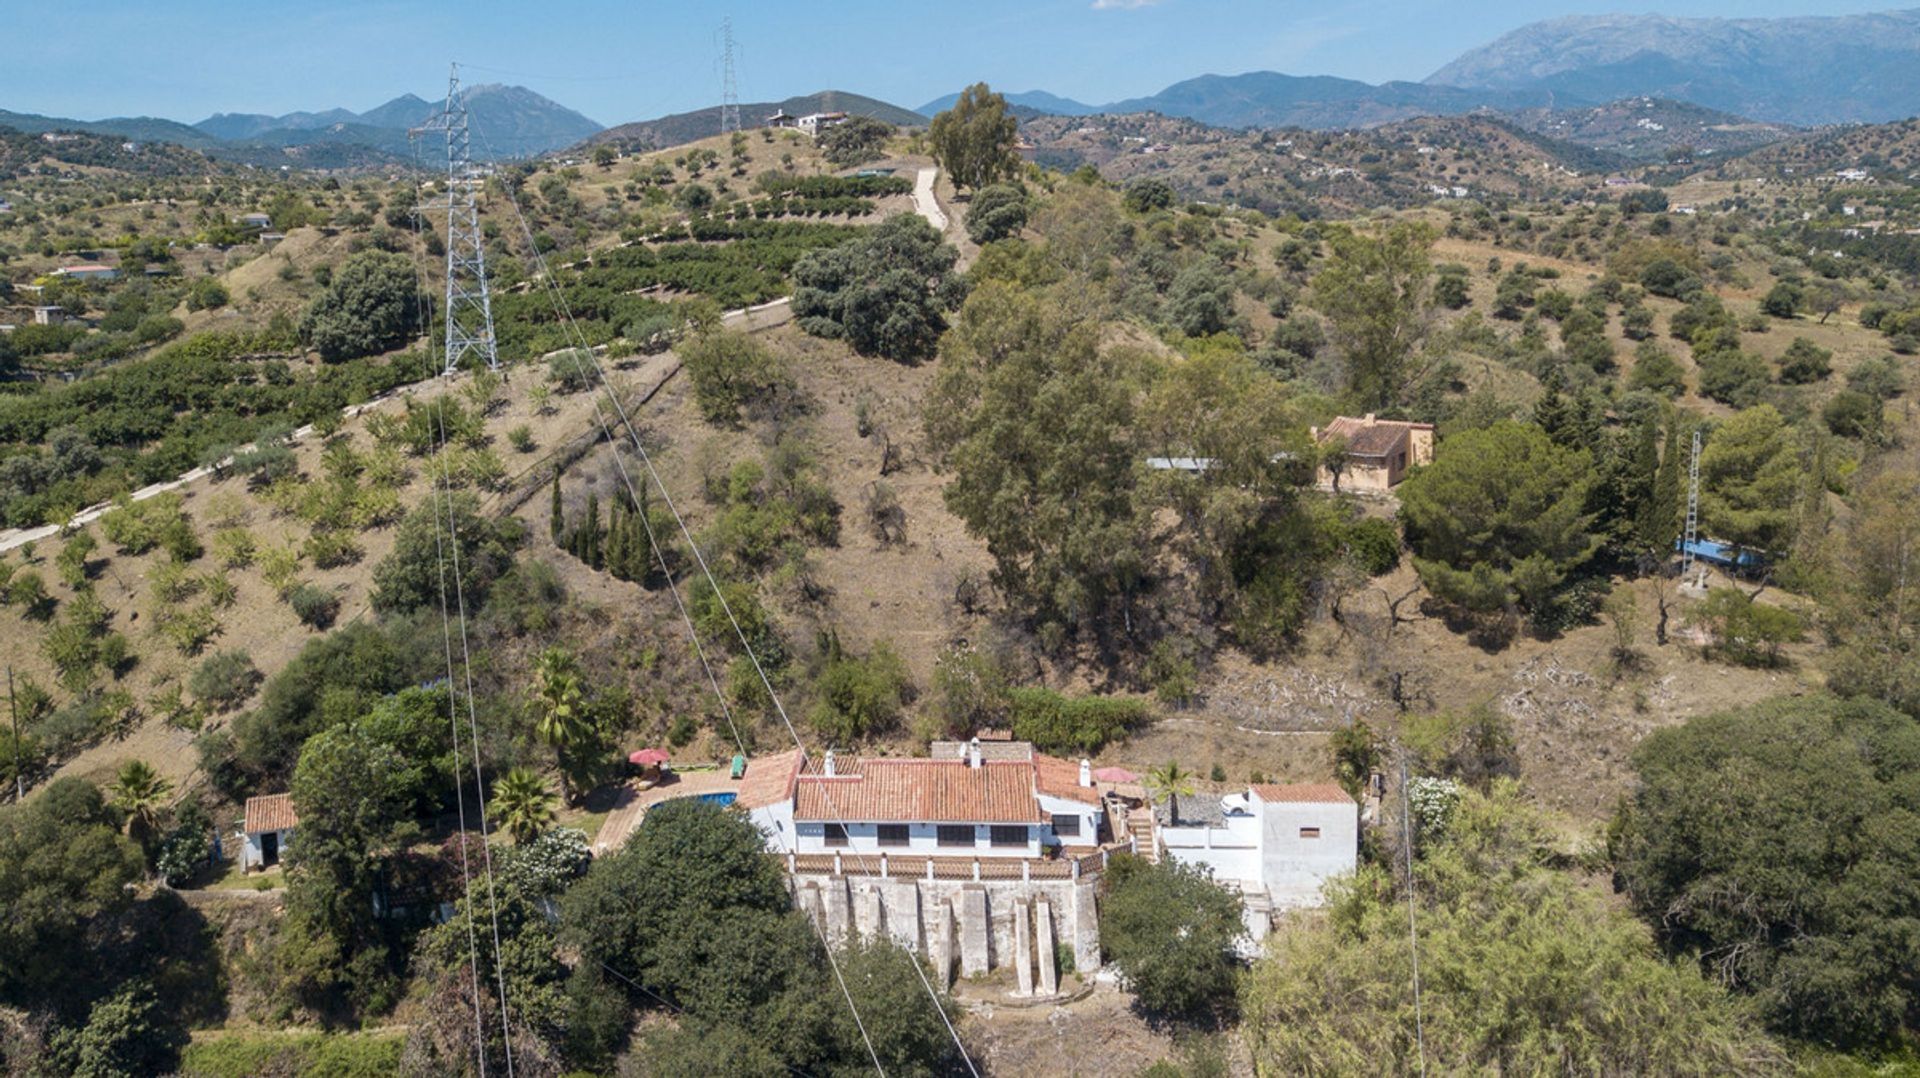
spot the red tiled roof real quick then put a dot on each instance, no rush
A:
(1369, 437)
(769, 780)
(1326, 793)
(270, 812)
(1061, 778)
(927, 791)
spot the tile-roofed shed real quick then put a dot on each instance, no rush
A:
(769, 780)
(1370, 437)
(1061, 778)
(270, 812)
(921, 791)
(1323, 793)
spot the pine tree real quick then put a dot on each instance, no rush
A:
(557, 523)
(1556, 414)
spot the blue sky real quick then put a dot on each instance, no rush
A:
(619, 61)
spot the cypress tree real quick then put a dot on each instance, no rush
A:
(557, 522)
(590, 533)
(617, 540)
(1660, 522)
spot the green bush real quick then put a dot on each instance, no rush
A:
(336, 1055)
(225, 681)
(858, 697)
(315, 606)
(1080, 725)
(368, 308)
(1747, 632)
(1374, 543)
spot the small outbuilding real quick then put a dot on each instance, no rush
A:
(1378, 452)
(268, 828)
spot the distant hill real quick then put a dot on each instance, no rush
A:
(1807, 71)
(508, 121)
(1038, 101)
(1647, 129)
(685, 127)
(133, 128)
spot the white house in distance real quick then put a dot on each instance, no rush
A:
(813, 123)
(269, 826)
(1276, 844)
(998, 799)
(254, 220)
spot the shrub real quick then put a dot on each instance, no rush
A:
(369, 307)
(521, 438)
(315, 606)
(731, 371)
(1374, 543)
(1805, 362)
(857, 696)
(572, 370)
(1747, 632)
(1171, 929)
(1733, 377)
(998, 211)
(1081, 725)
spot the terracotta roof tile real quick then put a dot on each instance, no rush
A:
(931, 791)
(769, 780)
(1061, 778)
(270, 812)
(1327, 793)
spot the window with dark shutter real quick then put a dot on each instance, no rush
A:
(956, 834)
(1309, 832)
(1066, 826)
(836, 834)
(894, 834)
(1009, 836)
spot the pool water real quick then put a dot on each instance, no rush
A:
(723, 797)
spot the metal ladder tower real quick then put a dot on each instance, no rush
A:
(469, 306)
(729, 86)
(1687, 560)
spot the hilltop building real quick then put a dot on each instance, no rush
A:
(266, 831)
(1276, 844)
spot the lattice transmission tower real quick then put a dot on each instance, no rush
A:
(729, 86)
(469, 306)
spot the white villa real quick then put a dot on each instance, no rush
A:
(999, 799)
(1277, 844)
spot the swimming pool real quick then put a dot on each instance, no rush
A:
(723, 797)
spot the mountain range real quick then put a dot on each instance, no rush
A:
(507, 121)
(1803, 71)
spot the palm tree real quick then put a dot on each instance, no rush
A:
(523, 805)
(140, 792)
(1171, 782)
(563, 720)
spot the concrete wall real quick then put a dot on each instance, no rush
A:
(1292, 866)
(973, 927)
(1232, 852)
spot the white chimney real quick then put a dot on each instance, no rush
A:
(973, 753)
(1086, 772)
(827, 764)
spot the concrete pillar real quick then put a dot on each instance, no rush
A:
(975, 933)
(940, 942)
(900, 902)
(1023, 949)
(838, 914)
(1043, 949)
(1083, 927)
(808, 899)
(866, 912)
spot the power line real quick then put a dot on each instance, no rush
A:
(453, 716)
(729, 86)
(766, 682)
